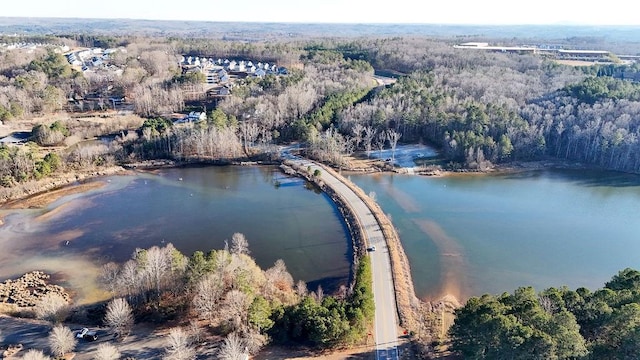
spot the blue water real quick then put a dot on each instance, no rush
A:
(194, 209)
(472, 234)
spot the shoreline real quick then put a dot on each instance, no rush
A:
(370, 165)
(38, 194)
(45, 191)
(42, 199)
(408, 303)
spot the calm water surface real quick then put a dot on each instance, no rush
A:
(473, 234)
(193, 208)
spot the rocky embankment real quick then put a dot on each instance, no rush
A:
(29, 289)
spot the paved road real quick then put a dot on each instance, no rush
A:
(386, 322)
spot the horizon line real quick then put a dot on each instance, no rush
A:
(321, 22)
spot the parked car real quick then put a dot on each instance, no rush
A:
(372, 248)
(86, 334)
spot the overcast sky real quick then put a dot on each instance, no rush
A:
(499, 12)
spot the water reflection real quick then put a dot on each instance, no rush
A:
(193, 208)
(474, 234)
(583, 177)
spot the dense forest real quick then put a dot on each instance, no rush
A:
(554, 324)
(479, 108)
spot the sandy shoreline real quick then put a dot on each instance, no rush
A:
(41, 200)
(38, 194)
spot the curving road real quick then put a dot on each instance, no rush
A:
(386, 322)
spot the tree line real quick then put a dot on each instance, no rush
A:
(557, 323)
(482, 108)
(479, 108)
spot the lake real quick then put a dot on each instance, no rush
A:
(195, 209)
(466, 235)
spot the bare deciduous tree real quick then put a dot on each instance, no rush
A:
(318, 295)
(357, 130)
(279, 281)
(34, 354)
(110, 276)
(234, 348)
(369, 135)
(61, 340)
(380, 140)
(179, 346)
(119, 317)
(106, 351)
(129, 279)
(235, 309)
(254, 342)
(52, 307)
(301, 288)
(239, 244)
(249, 132)
(206, 301)
(161, 266)
(393, 137)
(152, 99)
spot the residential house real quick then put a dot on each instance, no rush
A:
(195, 116)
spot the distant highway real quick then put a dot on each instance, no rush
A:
(386, 321)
